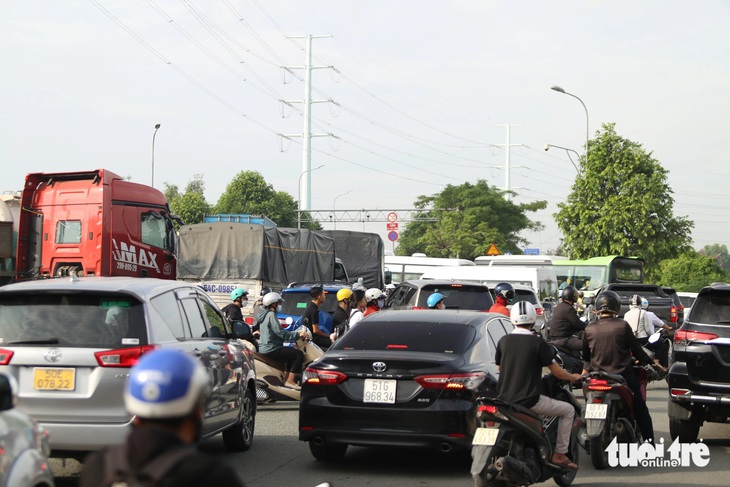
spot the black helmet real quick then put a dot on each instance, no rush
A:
(636, 300)
(608, 302)
(569, 294)
(505, 290)
(265, 291)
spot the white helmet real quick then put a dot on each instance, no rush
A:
(523, 313)
(644, 303)
(272, 298)
(372, 294)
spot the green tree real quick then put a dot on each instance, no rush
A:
(191, 205)
(621, 204)
(690, 272)
(469, 218)
(719, 252)
(249, 193)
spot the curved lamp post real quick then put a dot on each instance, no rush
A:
(334, 216)
(560, 90)
(157, 127)
(568, 151)
(299, 196)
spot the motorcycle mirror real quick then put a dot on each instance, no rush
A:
(655, 337)
(241, 330)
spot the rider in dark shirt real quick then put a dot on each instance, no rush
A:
(310, 318)
(565, 323)
(608, 346)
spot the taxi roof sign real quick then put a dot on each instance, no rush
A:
(493, 250)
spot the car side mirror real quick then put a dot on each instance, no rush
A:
(547, 306)
(242, 330)
(215, 332)
(7, 393)
(388, 277)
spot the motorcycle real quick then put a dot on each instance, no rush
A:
(513, 446)
(270, 373)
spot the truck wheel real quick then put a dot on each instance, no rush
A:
(239, 437)
(686, 430)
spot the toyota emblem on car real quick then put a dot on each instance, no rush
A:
(53, 355)
(379, 366)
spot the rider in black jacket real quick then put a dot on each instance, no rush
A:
(565, 323)
(609, 345)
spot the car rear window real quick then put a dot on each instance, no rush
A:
(296, 302)
(524, 295)
(407, 336)
(458, 296)
(712, 308)
(98, 320)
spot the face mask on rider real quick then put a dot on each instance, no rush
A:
(381, 303)
(278, 308)
(244, 302)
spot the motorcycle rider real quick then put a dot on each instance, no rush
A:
(166, 393)
(565, 323)
(608, 345)
(239, 299)
(638, 319)
(436, 301)
(503, 294)
(357, 305)
(310, 318)
(661, 348)
(375, 299)
(341, 314)
(273, 337)
(521, 355)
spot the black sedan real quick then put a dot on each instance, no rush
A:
(401, 378)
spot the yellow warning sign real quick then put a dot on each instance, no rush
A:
(492, 250)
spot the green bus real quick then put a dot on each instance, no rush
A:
(589, 275)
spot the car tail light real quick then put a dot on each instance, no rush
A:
(452, 382)
(598, 385)
(122, 357)
(683, 337)
(540, 311)
(673, 314)
(416, 307)
(5, 356)
(322, 377)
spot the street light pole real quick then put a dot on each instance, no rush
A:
(299, 197)
(157, 127)
(560, 90)
(568, 151)
(334, 215)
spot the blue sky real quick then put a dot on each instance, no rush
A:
(424, 89)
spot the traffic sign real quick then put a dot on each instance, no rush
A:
(392, 226)
(393, 236)
(493, 250)
(392, 216)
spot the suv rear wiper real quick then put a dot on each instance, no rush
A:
(36, 341)
(724, 322)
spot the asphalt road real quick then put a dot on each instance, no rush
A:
(278, 459)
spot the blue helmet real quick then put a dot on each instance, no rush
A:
(238, 293)
(165, 383)
(434, 299)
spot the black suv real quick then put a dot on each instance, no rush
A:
(457, 295)
(699, 373)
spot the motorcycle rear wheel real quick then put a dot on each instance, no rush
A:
(598, 444)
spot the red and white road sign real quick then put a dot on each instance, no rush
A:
(392, 226)
(392, 216)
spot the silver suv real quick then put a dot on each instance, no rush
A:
(71, 342)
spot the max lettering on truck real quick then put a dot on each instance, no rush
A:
(127, 257)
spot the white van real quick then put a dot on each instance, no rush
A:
(541, 279)
(522, 260)
(408, 268)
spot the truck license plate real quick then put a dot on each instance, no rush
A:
(485, 436)
(596, 411)
(379, 391)
(54, 379)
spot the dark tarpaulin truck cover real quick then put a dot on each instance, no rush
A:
(222, 250)
(362, 254)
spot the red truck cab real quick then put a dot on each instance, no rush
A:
(93, 223)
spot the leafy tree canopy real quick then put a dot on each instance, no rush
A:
(719, 252)
(690, 272)
(191, 205)
(249, 193)
(621, 204)
(469, 218)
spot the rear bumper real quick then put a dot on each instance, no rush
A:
(77, 437)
